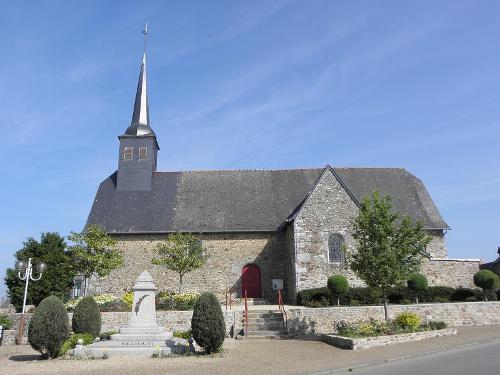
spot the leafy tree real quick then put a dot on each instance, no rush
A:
(338, 286)
(56, 280)
(180, 252)
(93, 252)
(389, 248)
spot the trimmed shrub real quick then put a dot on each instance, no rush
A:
(5, 321)
(408, 321)
(308, 297)
(490, 295)
(49, 327)
(467, 295)
(487, 280)
(72, 341)
(322, 297)
(87, 317)
(417, 283)
(338, 286)
(207, 324)
(366, 296)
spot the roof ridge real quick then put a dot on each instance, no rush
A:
(242, 170)
(274, 169)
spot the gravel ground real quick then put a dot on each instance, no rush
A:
(240, 357)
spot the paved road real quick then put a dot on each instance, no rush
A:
(482, 359)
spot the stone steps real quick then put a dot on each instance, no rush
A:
(265, 324)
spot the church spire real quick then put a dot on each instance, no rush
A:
(140, 125)
(141, 108)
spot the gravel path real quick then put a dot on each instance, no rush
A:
(240, 357)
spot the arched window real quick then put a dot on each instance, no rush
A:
(336, 249)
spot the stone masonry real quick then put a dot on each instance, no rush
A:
(323, 320)
(454, 273)
(328, 209)
(227, 255)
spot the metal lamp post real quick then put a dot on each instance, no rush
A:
(27, 269)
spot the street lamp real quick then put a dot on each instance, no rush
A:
(28, 275)
(27, 269)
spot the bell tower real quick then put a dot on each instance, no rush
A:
(138, 145)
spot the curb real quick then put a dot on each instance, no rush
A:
(409, 356)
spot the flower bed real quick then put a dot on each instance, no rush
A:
(405, 327)
(372, 342)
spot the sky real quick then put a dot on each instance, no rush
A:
(250, 85)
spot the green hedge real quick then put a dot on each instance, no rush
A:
(207, 324)
(321, 297)
(87, 317)
(49, 327)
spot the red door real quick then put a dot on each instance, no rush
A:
(250, 281)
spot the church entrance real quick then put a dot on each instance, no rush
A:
(250, 281)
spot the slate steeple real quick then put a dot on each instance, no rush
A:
(140, 124)
(138, 145)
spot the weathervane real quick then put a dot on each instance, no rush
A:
(145, 32)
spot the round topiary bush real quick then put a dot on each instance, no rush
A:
(87, 317)
(417, 283)
(338, 286)
(49, 327)
(207, 324)
(487, 280)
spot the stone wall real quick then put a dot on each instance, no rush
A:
(329, 209)
(454, 273)
(323, 320)
(437, 247)
(228, 254)
(291, 274)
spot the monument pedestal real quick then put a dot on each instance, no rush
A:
(142, 335)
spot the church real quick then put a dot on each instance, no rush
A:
(263, 230)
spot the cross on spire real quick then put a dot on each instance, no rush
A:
(145, 32)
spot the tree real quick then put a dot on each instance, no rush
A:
(57, 279)
(487, 280)
(338, 286)
(389, 248)
(180, 252)
(207, 324)
(93, 252)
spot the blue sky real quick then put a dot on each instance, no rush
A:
(251, 84)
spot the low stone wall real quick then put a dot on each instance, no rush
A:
(455, 273)
(111, 321)
(372, 342)
(323, 320)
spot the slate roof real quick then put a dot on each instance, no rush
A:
(245, 200)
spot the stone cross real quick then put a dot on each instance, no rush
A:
(144, 308)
